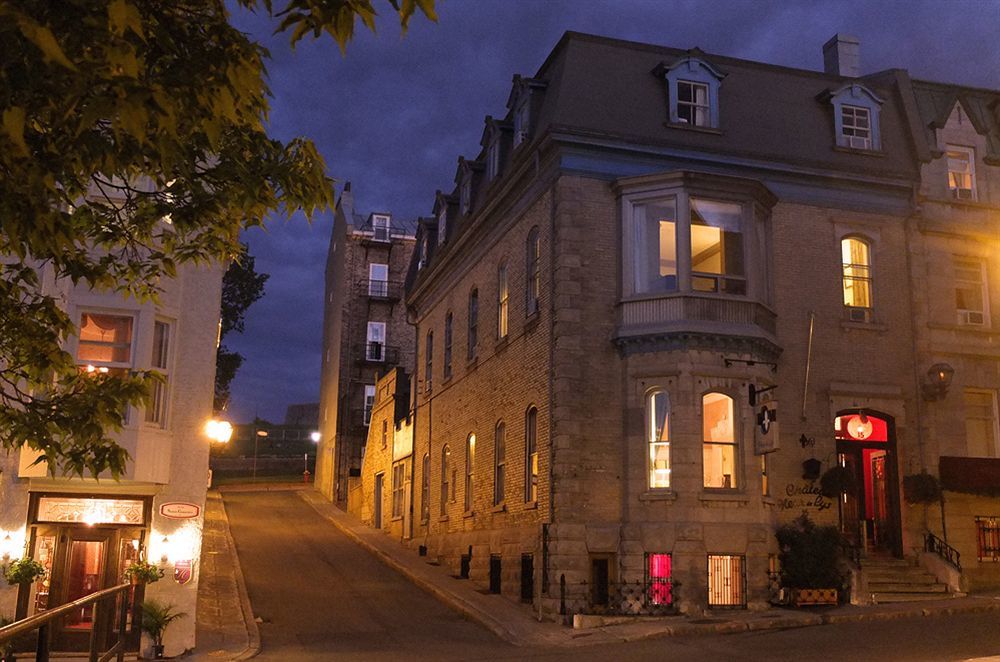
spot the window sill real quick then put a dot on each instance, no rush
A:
(864, 326)
(699, 129)
(658, 495)
(443, 518)
(769, 500)
(398, 518)
(858, 151)
(472, 362)
(447, 378)
(502, 343)
(530, 505)
(977, 329)
(724, 496)
(499, 508)
(469, 513)
(531, 321)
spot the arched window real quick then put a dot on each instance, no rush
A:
(470, 471)
(533, 281)
(445, 473)
(857, 274)
(503, 294)
(499, 462)
(425, 488)
(531, 455)
(719, 448)
(473, 322)
(658, 438)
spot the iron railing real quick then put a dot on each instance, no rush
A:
(376, 352)
(638, 598)
(988, 538)
(124, 636)
(934, 544)
(380, 289)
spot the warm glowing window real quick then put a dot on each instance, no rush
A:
(499, 462)
(503, 297)
(105, 340)
(533, 282)
(656, 246)
(445, 475)
(856, 126)
(857, 272)
(658, 439)
(971, 293)
(398, 480)
(961, 172)
(717, 247)
(385, 434)
(658, 577)
(156, 412)
(692, 103)
(719, 448)
(981, 431)
(470, 471)
(726, 580)
(531, 455)
(425, 488)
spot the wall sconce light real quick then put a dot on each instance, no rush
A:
(806, 441)
(7, 544)
(938, 380)
(219, 431)
(165, 544)
(315, 436)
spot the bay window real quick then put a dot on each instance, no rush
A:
(717, 247)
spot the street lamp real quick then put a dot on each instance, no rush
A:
(258, 435)
(219, 431)
(315, 436)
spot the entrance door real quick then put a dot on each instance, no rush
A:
(378, 500)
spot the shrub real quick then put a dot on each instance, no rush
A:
(811, 556)
(921, 488)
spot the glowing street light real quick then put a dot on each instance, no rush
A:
(315, 436)
(219, 431)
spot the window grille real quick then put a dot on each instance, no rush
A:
(988, 538)
(726, 580)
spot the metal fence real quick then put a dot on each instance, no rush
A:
(638, 598)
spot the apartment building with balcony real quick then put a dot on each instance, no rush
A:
(365, 334)
(670, 291)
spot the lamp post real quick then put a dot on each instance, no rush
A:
(256, 437)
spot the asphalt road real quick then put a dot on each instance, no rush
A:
(322, 597)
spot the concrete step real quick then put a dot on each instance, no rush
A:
(900, 578)
(889, 587)
(882, 598)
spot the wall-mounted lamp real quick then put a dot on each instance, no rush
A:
(165, 545)
(219, 431)
(315, 436)
(938, 379)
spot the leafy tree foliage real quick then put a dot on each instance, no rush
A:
(241, 287)
(132, 139)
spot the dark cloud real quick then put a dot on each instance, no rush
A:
(393, 114)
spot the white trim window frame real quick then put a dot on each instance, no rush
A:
(961, 172)
(369, 403)
(375, 341)
(657, 415)
(970, 285)
(99, 348)
(378, 280)
(522, 120)
(856, 127)
(693, 106)
(156, 412)
(442, 225)
(381, 225)
(720, 442)
(493, 160)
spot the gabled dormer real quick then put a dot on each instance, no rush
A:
(466, 181)
(523, 103)
(856, 123)
(445, 207)
(692, 91)
(496, 142)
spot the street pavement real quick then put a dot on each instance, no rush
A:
(322, 596)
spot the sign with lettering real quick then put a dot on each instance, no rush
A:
(180, 510)
(765, 432)
(804, 496)
(182, 571)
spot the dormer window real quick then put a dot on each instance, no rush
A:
(422, 255)
(442, 224)
(856, 117)
(465, 195)
(961, 172)
(521, 123)
(493, 160)
(380, 228)
(693, 92)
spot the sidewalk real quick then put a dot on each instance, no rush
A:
(518, 625)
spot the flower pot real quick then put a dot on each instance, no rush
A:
(804, 597)
(157, 652)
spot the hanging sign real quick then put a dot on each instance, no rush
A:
(765, 432)
(180, 510)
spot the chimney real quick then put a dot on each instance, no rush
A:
(346, 202)
(842, 56)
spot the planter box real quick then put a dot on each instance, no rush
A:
(803, 597)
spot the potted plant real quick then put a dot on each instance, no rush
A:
(23, 571)
(812, 562)
(836, 481)
(921, 488)
(156, 616)
(141, 572)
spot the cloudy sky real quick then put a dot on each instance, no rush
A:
(393, 115)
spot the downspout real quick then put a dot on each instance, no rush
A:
(551, 408)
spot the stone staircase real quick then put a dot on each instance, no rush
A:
(900, 580)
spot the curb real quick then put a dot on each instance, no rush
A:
(450, 599)
(253, 632)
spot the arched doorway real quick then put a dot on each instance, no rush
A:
(869, 515)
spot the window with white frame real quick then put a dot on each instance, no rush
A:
(961, 172)
(531, 455)
(856, 266)
(380, 227)
(856, 127)
(465, 194)
(503, 296)
(533, 282)
(105, 343)
(398, 481)
(378, 280)
(658, 439)
(499, 462)
(692, 103)
(693, 93)
(982, 434)
(726, 580)
(156, 412)
(470, 471)
(375, 347)
(369, 403)
(717, 247)
(856, 111)
(971, 293)
(720, 451)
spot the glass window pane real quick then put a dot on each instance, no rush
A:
(658, 439)
(720, 465)
(717, 417)
(656, 246)
(105, 338)
(856, 257)
(716, 237)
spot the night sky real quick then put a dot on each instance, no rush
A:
(394, 114)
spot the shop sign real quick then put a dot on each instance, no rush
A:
(180, 510)
(87, 510)
(182, 572)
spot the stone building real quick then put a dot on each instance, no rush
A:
(85, 531)
(675, 288)
(365, 333)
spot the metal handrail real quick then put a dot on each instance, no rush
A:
(41, 623)
(937, 546)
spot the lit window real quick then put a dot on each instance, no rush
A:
(398, 480)
(385, 433)
(855, 127)
(105, 340)
(533, 282)
(658, 439)
(473, 322)
(726, 581)
(531, 455)
(499, 462)
(369, 403)
(765, 488)
(961, 172)
(447, 345)
(428, 361)
(445, 474)
(719, 446)
(503, 294)
(470, 471)
(659, 590)
(857, 277)
(716, 247)
(971, 293)
(981, 432)
(156, 412)
(378, 280)
(692, 103)
(425, 488)
(988, 538)
(375, 347)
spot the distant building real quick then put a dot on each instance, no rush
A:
(303, 415)
(365, 334)
(653, 249)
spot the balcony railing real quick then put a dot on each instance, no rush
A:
(376, 352)
(115, 602)
(388, 290)
(639, 316)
